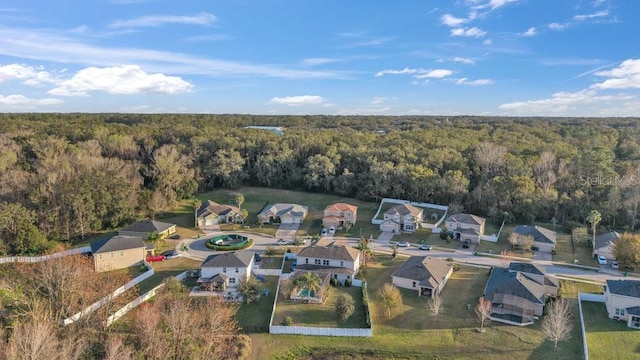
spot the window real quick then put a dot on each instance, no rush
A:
(317, 261)
(325, 262)
(342, 263)
(100, 256)
(408, 227)
(306, 261)
(111, 254)
(619, 312)
(232, 280)
(236, 269)
(224, 270)
(414, 284)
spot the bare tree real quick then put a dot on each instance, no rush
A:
(345, 307)
(150, 337)
(507, 257)
(483, 310)
(391, 297)
(436, 306)
(579, 234)
(557, 323)
(526, 243)
(514, 240)
(286, 286)
(116, 349)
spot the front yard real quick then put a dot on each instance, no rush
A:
(607, 338)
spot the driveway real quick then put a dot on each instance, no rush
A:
(385, 237)
(287, 231)
(542, 255)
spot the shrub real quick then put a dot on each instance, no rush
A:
(333, 282)
(345, 307)
(365, 303)
(215, 247)
(347, 283)
(456, 267)
(287, 321)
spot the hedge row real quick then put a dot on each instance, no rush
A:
(365, 303)
(215, 247)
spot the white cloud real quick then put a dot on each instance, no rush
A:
(396, 72)
(488, 42)
(564, 103)
(494, 4)
(557, 26)
(377, 100)
(452, 21)
(298, 100)
(598, 14)
(127, 79)
(625, 76)
(202, 18)
(530, 32)
(468, 32)
(27, 74)
(463, 60)
(477, 82)
(437, 73)
(319, 61)
(23, 101)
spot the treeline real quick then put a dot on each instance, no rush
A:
(63, 176)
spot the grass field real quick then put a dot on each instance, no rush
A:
(413, 333)
(607, 338)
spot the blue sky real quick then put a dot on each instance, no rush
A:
(456, 57)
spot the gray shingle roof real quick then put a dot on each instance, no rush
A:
(538, 233)
(117, 243)
(281, 209)
(624, 287)
(211, 207)
(331, 252)
(634, 310)
(404, 209)
(503, 281)
(605, 239)
(148, 226)
(428, 271)
(229, 259)
(526, 268)
(466, 219)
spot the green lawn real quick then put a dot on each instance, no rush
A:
(271, 262)
(607, 338)
(413, 333)
(322, 315)
(164, 269)
(254, 317)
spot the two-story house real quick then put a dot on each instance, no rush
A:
(465, 227)
(339, 214)
(622, 299)
(220, 271)
(342, 262)
(117, 252)
(402, 218)
(212, 213)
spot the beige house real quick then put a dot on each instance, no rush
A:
(145, 228)
(604, 245)
(622, 299)
(340, 261)
(283, 213)
(118, 252)
(339, 214)
(518, 294)
(221, 271)
(543, 238)
(465, 227)
(402, 218)
(212, 213)
(427, 276)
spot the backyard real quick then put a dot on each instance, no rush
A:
(254, 317)
(607, 338)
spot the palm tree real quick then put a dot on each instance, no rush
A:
(594, 218)
(310, 281)
(239, 200)
(363, 246)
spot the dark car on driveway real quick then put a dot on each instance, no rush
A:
(171, 254)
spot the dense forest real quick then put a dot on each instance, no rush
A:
(63, 176)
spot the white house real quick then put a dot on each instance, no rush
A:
(283, 213)
(402, 218)
(622, 299)
(341, 261)
(220, 271)
(427, 276)
(465, 227)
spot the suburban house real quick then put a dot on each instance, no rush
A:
(283, 213)
(518, 293)
(622, 299)
(212, 213)
(118, 252)
(220, 271)
(543, 239)
(145, 228)
(604, 245)
(465, 227)
(426, 275)
(402, 218)
(339, 214)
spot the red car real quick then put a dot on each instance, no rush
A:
(154, 258)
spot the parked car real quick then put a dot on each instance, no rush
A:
(154, 258)
(466, 244)
(323, 232)
(175, 237)
(257, 257)
(425, 247)
(403, 244)
(332, 230)
(171, 254)
(602, 260)
(293, 265)
(614, 265)
(282, 242)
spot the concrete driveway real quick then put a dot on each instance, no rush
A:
(287, 231)
(542, 255)
(385, 237)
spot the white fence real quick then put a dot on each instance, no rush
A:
(34, 259)
(444, 208)
(267, 272)
(105, 300)
(313, 331)
(139, 300)
(586, 297)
